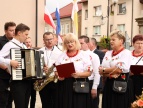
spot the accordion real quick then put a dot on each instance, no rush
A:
(31, 64)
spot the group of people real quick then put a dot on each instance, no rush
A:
(90, 64)
(116, 66)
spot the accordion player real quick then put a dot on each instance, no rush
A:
(31, 64)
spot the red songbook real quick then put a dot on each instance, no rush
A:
(136, 69)
(65, 70)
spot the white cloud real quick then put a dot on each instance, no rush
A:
(51, 4)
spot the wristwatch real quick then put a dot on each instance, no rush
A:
(103, 70)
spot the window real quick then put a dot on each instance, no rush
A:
(121, 27)
(98, 11)
(122, 8)
(67, 28)
(86, 31)
(62, 29)
(111, 28)
(86, 14)
(97, 30)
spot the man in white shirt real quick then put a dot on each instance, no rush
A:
(20, 88)
(95, 77)
(51, 54)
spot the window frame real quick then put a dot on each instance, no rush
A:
(120, 7)
(96, 31)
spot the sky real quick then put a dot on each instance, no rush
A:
(51, 4)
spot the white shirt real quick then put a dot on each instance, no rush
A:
(121, 60)
(81, 61)
(95, 64)
(50, 56)
(5, 52)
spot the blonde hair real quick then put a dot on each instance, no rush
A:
(71, 37)
(119, 34)
(28, 37)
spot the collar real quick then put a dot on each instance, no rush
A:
(49, 49)
(94, 50)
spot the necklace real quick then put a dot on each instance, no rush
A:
(115, 53)
(136, 55)
(72, 55)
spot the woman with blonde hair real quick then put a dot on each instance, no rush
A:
(115, 66)
(67, 98)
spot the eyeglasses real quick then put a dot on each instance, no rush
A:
(48, 39)
(69, 42)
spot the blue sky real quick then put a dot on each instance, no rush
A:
(51, 4)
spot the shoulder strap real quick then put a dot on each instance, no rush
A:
(139, 60)
(16, 44)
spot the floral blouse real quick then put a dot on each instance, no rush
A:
(136, 59)
(81, 61)
(121, 60)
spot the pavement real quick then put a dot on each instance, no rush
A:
(39, 105)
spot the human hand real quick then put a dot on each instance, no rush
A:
(75, 75)
(14, 64)
(93, 93)
(61, 78)
(100, 70)
(131, 74)
(45, 68)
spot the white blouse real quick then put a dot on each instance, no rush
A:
(121, 60)
(136, 59)
(81, 61)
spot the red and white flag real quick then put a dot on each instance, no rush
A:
(48, 19)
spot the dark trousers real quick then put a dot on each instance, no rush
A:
(33, 95)
(48, 95)
(21, 93)
(5, 95)
(95, 101)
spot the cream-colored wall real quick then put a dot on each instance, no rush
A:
(137, 13)
(92, 19)
(113, 20)
(84, 22)
(23, 11)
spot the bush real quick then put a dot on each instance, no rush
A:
(104, 43)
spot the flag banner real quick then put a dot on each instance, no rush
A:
(48, 18)
(75, 17)
(57, 15)
(58, 27)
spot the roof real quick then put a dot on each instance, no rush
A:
(66, 11)
(82, 1)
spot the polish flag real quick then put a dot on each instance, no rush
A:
(48, 19)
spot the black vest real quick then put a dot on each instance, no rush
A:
(3, 73)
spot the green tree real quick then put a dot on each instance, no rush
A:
(104, 42)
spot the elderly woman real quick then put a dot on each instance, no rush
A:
(137, 59)
(67, 98)
(115, 65)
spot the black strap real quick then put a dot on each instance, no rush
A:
(16, 44)
(139, 60)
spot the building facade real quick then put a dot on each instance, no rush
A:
(29, 12)
(97, 23)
